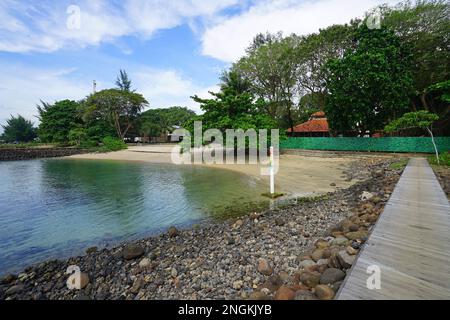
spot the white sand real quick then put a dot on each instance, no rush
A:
(297, 175)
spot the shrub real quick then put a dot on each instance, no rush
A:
(113, 144)
(444, 159)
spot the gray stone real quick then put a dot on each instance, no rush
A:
(132, 251)
(331, 275)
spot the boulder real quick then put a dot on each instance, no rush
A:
(310, 279)
(284, 293)
(304, 295)
(264, 267)
(361, 234)
(366, 196)
(324, 292)
(322, 244)
(317, 255)
(132, 251)
(18, 288)
(173, 232)
(331, 275)
(345, 260)
(339, 241)
(258, 295)
(144, 263)
(306, 264)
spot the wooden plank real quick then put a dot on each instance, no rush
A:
(410, 243)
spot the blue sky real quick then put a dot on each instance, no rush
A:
(171, 49)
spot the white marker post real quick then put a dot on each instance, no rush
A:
(272, 176)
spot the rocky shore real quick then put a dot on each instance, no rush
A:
(301, 251)
(14, 154)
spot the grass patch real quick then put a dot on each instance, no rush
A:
(399, 165)
(272, 195)
(444, 159)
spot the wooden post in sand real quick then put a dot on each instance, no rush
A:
(272, 176)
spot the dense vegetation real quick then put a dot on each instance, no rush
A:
(18, 130)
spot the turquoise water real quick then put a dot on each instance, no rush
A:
(56, 208)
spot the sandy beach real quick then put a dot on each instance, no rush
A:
(298, 174)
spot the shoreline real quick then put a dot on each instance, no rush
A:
(259, 256)
(298, 175)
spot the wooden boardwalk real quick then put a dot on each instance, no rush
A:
(410, 243)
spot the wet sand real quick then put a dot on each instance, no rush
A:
(298, 174)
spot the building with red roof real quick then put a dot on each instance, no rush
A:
(316, 126)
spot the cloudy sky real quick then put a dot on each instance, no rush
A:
(51, 50)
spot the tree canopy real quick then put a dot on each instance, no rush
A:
(18, 129)
(371, 84)
(118, 107)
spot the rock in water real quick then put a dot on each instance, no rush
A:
(173, 232)
(284, 293)
(324, 292)
(264, 267)
(331, 276)
(132, 251)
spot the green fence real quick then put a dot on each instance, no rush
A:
(387, 144)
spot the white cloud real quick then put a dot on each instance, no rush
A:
(42, 27)
(165, 88)
(227, 39)
(22, 88)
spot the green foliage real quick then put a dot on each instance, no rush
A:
(113, 144)
(399, 165)
(370, 84)
(444, 159)
(420, 119)
(123, 82)
(57, 120)
(18, 129)
(117, 107)
(153, 122)
(233, 109)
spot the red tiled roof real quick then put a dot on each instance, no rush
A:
(313, 125)
(319, 114)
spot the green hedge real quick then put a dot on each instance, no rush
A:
(386, 144)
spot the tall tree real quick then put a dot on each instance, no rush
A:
(371, 84)
(119, 107)
(425, 28)
(18, 129)
(123, 82)
(270, 67)
(57, 120)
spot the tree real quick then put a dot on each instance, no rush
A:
(420, 119)
(18, 129)
(118, 107)
(232, 109)
(270, 68)
(424, 27)
(123, 82)
(153, 122)
(371, 84)
(57, 120)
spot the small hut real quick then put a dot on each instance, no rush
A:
(316, 126)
